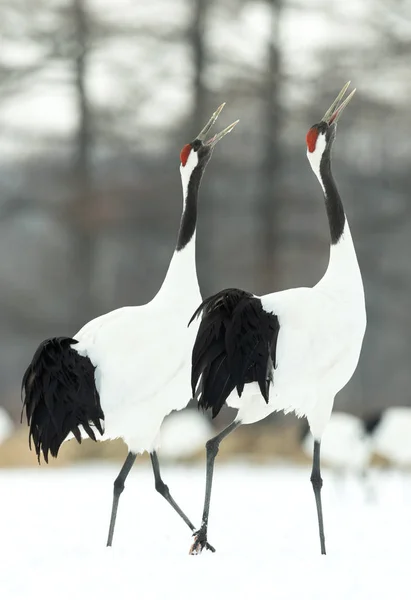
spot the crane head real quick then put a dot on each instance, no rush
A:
(200, 149)
(321, 135)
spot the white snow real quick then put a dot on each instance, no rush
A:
(344, 445)
(54, 523)
(184, 433)
(6, 425)
(392, 436)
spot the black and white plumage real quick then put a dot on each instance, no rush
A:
(235, 345)
(123, 372)
(60, 396)
(315, 336)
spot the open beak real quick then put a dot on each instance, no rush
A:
(334, 112)
(218, 136)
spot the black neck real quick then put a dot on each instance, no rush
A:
(333, 203)
(188, 221)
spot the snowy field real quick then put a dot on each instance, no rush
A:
(54, 523)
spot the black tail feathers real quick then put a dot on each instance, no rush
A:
(59, 395)
(236, 344)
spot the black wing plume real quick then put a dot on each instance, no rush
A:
(235, 344)
(59, 395)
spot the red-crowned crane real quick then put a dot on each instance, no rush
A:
(123, 372)
(291, 350)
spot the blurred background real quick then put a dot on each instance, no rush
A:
(97, 97)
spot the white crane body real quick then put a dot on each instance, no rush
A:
(318, 346)
(124, 371)
(287, 351)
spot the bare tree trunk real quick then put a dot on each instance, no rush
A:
(270, 167)
(82, 202)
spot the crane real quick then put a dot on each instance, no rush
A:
(287, 351)
(123, 372)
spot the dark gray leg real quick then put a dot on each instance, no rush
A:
(118, 489)
(317, 482)
(162, 489)
(212, 447)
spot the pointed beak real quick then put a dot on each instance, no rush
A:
(334, 112)
(218, 136)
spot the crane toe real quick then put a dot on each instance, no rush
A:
(200, 542)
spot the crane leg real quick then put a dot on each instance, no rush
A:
(317, 484)
(163, 490)
(118, 490)
(212, 447)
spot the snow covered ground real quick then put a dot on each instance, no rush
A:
(53, 526)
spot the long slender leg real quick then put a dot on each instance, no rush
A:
(212, 447)
(317, 482)
(118, 489)
(162, 489)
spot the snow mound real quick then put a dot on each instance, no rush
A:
(392, 437)
(6, 425)
(184, 433)
(344, 445)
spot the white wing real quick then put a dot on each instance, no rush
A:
(137, 351)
